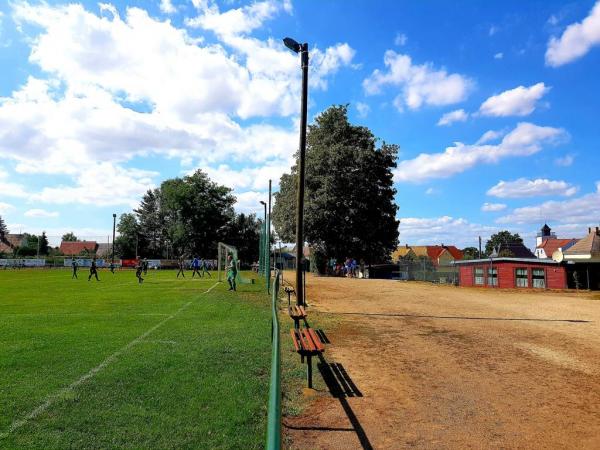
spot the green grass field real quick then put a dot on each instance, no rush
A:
(114, 364)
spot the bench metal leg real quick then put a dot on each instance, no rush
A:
(297, 324)
(309, 371)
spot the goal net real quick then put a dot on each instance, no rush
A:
(224, 251)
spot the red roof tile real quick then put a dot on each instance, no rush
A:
(75, 248)
(551, 245)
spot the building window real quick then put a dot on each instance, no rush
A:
(522, 278)
(478, 274)
(492, 277)
(539, 278)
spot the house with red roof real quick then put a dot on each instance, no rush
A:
(547, 243)
(439, 255)
(73, 248)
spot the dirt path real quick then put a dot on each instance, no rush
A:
(443, 367)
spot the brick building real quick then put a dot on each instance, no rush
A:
(506, 272)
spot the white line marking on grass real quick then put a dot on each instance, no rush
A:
(62, 393)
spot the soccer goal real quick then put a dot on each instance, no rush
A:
(224, 250)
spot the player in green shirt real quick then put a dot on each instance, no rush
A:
(231, 272)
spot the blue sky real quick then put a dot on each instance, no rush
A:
(495, 106)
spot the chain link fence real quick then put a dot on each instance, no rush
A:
(416, 271)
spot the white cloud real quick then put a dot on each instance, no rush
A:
(493, 30)
(523, 187)
(186, 96)
(5, 207)
(520, 101)
(458, 115)
(249, 202)
(493, 207)
(167, 7)
(490, 136)
(400, 39)
(242, 20)
(564, 161)
(40, 213)
(103, 184)
(329, 62)
(252, 178)
(363, 109)
(524, 140)
(419, 84)
(576, 40)
(583, 210)
(442, 230)
(499, 55)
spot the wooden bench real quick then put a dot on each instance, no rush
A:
(297, 313)
(308, 344)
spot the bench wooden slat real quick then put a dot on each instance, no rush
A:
(296, 312)
(296, 340)
(316, 340)
(307, 343)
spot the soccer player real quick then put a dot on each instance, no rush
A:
(93, 270)
(112, 267)
(204, 268)
(181, 267)
(195, 267)
(231, 272)
(138, 272)
(75, 267)
(145, 266)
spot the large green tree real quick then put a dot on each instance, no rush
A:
(349, 199)
(69, 237)
(188, 215)
(196, 212)
(127, 243)
(501, 237)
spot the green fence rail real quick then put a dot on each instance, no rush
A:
(274, 416)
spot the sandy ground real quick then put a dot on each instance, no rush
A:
(444, 367)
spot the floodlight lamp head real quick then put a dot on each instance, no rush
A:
(292, 45)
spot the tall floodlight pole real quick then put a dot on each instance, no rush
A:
(268, 252)
(263, 251)
(113, 244)
(303, 50)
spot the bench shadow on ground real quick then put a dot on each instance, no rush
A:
(340, 386)
(323, 336)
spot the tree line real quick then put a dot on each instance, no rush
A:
(187, 216)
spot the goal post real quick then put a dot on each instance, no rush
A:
(224, 250)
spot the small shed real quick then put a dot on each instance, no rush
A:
(506, 272)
